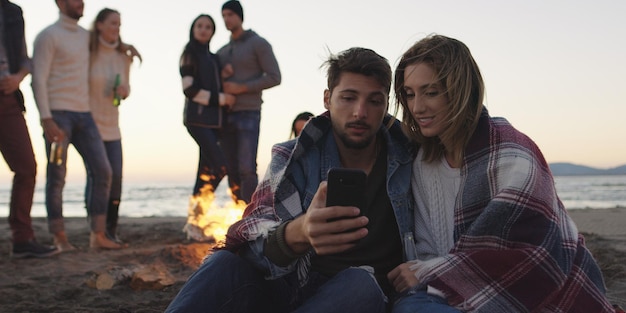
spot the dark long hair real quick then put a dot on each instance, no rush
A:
(186, 56)
(304, 116)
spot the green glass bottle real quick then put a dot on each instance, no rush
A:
(116, 97)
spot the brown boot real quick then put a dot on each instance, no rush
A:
(61, 242)
(99, 240)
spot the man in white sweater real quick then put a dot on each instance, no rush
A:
(60, 87)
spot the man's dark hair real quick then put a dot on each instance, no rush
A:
(359, 61)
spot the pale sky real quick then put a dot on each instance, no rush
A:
(554, 69)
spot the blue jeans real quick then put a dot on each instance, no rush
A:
(240, 141)
(211, 163)
(226, 282)
(81, 131)
(114, 155)
(422, 302)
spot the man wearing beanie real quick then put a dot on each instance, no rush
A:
(249, 67)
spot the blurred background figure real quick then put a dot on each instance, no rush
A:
(109, 70)
(15, 143)
(249, 68)
(298, 123)
(205, 104)
(204, 115)
(60, 87)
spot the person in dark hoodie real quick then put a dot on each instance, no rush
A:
(249, 67)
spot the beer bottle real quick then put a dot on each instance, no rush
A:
(116, 97)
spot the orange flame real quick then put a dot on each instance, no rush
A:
(207, 220)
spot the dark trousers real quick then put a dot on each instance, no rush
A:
(211, 163)
(17, 150)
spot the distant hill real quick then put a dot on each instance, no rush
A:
(569, 169)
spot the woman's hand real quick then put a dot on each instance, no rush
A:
(403, 276)
(227, 100)
(123, 91)
(132, 52)
(227, 71)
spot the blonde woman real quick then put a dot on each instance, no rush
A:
(110, 60)
(491, 233)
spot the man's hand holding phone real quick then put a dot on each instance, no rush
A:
(328, 230)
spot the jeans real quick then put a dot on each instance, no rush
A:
(17, 149)
(211, 163)
(81, 131)
(240, 141)
(114, 155)
(422, 302)
(226, 282)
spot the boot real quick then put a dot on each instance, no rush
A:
(112, 218)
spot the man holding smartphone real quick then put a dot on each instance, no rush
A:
(292, 252)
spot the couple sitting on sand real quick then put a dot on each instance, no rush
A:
(459, 210)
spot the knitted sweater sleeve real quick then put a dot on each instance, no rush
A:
(43, 53)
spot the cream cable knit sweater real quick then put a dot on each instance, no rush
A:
(435, 187)
(61, 68)
(106, 64)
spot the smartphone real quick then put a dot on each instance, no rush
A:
(346, 187)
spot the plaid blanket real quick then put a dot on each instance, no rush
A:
(292, 178)
(516, 249)
(275, 198)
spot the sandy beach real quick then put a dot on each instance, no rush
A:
(146, 276)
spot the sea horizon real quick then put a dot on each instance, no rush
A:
(171, 198)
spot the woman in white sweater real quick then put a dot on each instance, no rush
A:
(109, 70)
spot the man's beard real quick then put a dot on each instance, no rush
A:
(74, 15)
(356, 145)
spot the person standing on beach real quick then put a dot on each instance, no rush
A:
(205, 103)
(290, 251)
(15, 143)
(60, 87)
(205, 111)
(249, 67)
(109, 74)
(491, 233)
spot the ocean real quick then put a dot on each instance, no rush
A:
(172, 199)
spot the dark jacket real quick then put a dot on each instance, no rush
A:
(14, 40)
(203, 66)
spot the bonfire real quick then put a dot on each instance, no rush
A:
(208, 220)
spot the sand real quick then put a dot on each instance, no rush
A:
(146, 276)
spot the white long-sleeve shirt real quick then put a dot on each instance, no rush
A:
(61, 68)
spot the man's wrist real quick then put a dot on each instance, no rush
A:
(294, 238)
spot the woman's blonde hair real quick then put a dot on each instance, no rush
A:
(94, 34)
(458, 73)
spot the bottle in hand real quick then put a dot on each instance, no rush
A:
(56, 153)
(116, 97)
